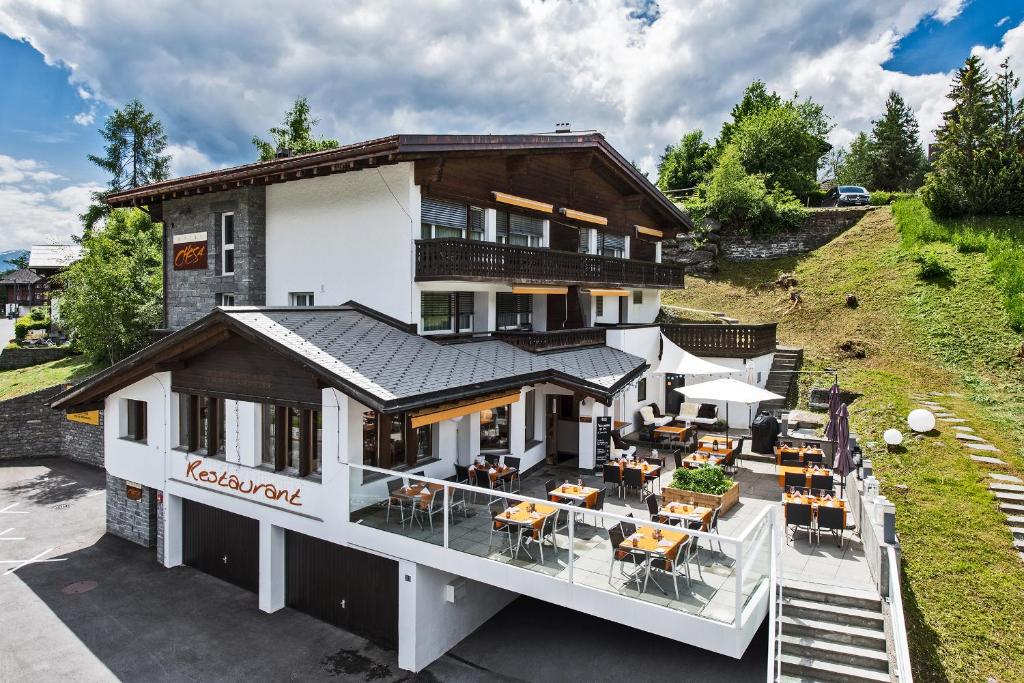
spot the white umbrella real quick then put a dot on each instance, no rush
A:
(728, 390)
(677, 361)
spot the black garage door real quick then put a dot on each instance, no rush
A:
(351, 589)
(222, 544)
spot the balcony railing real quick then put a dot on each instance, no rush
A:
(476, 261)
(723, 341)
(536, 342)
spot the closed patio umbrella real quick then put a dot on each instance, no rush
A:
(844, 460)
(728, 390)
(833, 411)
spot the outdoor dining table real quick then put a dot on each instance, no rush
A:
(815, 502)
(671, 433)
(574, 493)
(525, 519)
(702, 458)
(643, 540)
(417, 495)
(685, 512)
(795, 453)
(495, 472)
(807, 471)
(708, 442)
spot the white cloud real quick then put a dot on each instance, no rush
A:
(187, 159)
(86, 118)
(218, 72)
(33, 210)
(1002, 21)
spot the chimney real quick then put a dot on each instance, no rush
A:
(282, 152)
(562, 127)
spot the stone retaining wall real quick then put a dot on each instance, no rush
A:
(29, 428)
(132, 520)
(12, 359)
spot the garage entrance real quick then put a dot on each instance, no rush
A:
(221, 544)
(348, 588)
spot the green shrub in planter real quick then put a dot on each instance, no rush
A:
(27, 322)
(708, 479)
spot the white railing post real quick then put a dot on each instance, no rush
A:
(738, 619)
(447, 509)
(572, 541)
(899, 625)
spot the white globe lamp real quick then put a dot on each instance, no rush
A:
(892, 437)
(921, 420)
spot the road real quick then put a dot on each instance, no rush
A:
(91, 606)
(6, 332)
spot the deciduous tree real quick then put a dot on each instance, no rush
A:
(685, 165)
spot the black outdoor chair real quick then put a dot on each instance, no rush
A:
(799, 515)
(677, 455)
(653, 507)
(393, 499)
(814, 458)
(613, 475)
(634, 479)
(624, 557)
(483, 480)
(599, 503)
(514, 482)
(628, 528)
(831, 519)
(461, 474)
(823, 482)
(492, 459)
(797, 479)
(549, 486)
(495, 508)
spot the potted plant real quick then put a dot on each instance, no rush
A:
(705, 486)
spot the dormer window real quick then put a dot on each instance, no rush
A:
(227, 241)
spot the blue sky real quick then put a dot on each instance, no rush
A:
(643, 72)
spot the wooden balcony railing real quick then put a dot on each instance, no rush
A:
(476, 261)
(536, 342)
(723, 341)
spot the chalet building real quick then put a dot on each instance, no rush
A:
(344, 323)
(22, 289)
(26, 288)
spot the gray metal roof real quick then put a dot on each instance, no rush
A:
(54, 255)
(602, 366)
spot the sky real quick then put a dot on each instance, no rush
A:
(642, 72)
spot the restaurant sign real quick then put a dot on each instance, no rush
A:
(213, 474)
(189, 251)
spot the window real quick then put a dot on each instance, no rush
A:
(514, 311)
(227, 242)
(135, 420)
(530, 406)
(300, 298)
(442, 312)
(389, 441)
(638, 296)
(641, 390)
(523, 231)
(201, 424)
(440, 218)
(494, 423)
(599, 308)
(584, 240)
(225, 299)
(292, 439)
(611, 245)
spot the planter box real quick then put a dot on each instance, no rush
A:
(725, 501)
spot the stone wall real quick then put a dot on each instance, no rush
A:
(132, 520)
(190, 294)
(12, 359)
(29, 428)
(822, 226)
(161, 506)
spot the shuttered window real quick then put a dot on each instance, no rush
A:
(611, 245)
(584, 241)
(476, 223)
(446, 312)
(440, 218)
(524, 231)
(514, 311)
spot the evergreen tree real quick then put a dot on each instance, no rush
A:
(897, 161)
(295, 134)
(133, 155)
(685, 165)
(856, 167)
(1008, 168)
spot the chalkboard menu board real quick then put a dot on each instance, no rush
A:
(603, 448)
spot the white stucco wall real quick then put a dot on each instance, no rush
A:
(346, 236)
(142, 463)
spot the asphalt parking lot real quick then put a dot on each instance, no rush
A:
(89, 606)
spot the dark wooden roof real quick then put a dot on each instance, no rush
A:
(394, 149)
(23, 276)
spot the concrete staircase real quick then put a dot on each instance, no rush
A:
(832, 635)
(781, 379)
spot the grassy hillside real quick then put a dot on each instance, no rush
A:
(963, 582)
(26, 380)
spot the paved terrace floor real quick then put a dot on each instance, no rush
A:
(712, 589)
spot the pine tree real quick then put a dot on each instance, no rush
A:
(295, 134)
(1008, 168)
(897, 159)
(133, 155)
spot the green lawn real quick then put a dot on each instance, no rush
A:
(963, 583)
(26, 380)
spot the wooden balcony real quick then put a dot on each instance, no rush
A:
(723, 341)
(538, 342)
(476, 261)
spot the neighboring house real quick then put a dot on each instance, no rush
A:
(398, 305)
(21, 290)
(48, 260)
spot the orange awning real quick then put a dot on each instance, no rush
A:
(538, 289)
(607, 292)
(450, 411)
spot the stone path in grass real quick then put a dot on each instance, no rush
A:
(1007, 489)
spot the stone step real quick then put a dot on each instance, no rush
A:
(837, 614)
(836, 595)
(987, 447)
(829, 631)
(1008, 488)
(962, 428)
(1008, 478)
(1017, 532)
(952, 419)
(984, 459)
(861, 657)
(1018, 543)
(964, 436)
(1010, 508)
(821, 670)
(1005, 497)
(1015, 520)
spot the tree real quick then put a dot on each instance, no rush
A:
(133, 156)
(112, 296)
(897, 161)
(685, 165)
(857, 165)
(19, 262)
(776, 143)
(295, 134)
(755, 100)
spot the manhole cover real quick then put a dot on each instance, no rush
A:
(61, 506)
(78, 587)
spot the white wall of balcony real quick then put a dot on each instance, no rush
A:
(140, 462)
(346, 236)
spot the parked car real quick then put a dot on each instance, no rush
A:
(847, 195)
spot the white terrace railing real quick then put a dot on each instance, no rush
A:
(901, 648)
(775, 609)
(729, 577)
